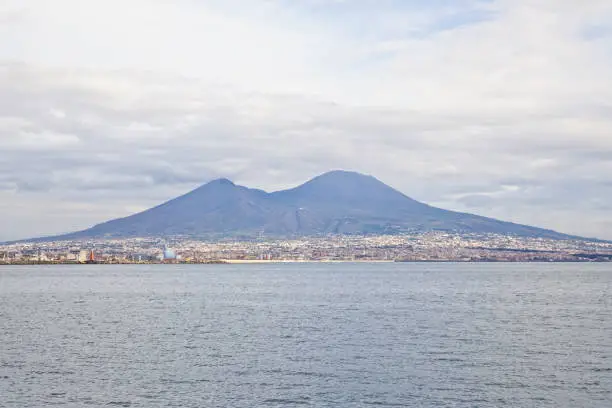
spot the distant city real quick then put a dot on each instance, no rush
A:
(418, 247)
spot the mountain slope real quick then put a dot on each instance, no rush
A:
(348, 202)
(218, 207)
(337, 202)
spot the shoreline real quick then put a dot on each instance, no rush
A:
(293, 261)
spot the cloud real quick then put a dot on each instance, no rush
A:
(498, 107)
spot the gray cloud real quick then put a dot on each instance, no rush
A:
(75, 142)
(467, 117)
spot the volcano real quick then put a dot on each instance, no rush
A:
(337, 202)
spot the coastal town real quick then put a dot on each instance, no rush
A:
(418, 247)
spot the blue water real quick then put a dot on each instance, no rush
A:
(321, 335)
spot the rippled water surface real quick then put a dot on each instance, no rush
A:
(345, 335)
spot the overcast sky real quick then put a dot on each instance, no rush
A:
(500, 108)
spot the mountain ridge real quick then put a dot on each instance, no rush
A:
(336, 202)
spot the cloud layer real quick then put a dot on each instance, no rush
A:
(501, 108)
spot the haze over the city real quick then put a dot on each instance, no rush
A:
(498, 108)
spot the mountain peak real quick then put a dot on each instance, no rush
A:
(222, 182)
(344, 182)
(343, 174)
(344, 192)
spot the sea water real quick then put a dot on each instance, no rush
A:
(321, 335)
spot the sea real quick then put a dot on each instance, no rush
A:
(311, 334)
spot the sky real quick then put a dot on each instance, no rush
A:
(501, 108)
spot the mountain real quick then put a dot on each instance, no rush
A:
(338, 202)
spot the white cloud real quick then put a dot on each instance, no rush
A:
(122, 104)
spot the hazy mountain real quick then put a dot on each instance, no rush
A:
(337, 202)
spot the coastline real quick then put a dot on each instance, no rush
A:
(296, 261)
